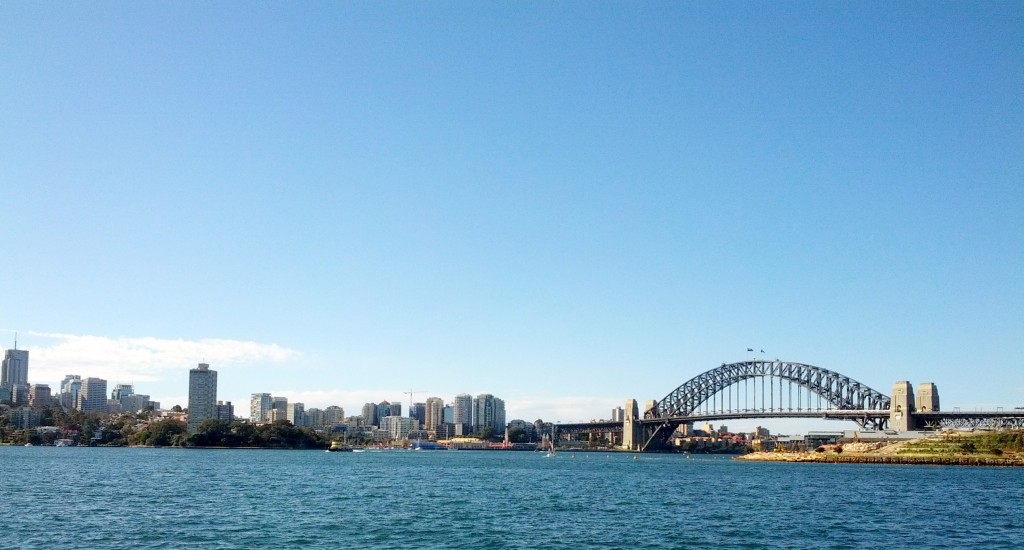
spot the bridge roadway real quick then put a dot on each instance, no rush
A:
(605, 426)
(928, 420)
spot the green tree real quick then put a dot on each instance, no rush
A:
(517, 435)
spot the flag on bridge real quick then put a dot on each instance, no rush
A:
(750, 349)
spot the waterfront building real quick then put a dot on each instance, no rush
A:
(39, 395)
(488, 412)
(69, 388)
(297, 414)
(259, 406)
(202, 396)
(92, 397)
(433, 413)
(397, 427)
(224, 411)
(14, 369)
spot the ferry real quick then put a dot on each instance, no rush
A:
(338, 447)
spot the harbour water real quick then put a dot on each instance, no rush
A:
(179, 498)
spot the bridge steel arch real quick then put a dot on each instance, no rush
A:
(841, 392)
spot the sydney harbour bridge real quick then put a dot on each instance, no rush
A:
(783, 389)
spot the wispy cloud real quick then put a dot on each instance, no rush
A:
(141, 359)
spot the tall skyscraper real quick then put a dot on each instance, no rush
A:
(202, 396)
(488, 412)
(384, 410)
(462, 409)
(259, 406)
(93, 395)
(419, 412)
(433, 415)
(121, 391)
(69, 388)
(280, 405)
(15, 367)
(334, 415)
(297, 414)
(370, 414)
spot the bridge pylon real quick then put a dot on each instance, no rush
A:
(631, 429)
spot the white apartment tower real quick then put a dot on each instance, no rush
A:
(259, 407)
(92, 397)
(202, 396)
(434, 416)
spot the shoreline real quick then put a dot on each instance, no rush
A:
(820, 458)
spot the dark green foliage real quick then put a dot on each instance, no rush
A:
(278, 435)
(163, 433)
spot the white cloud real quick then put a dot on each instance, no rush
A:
(144, 359)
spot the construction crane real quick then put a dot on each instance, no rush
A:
(409, 393)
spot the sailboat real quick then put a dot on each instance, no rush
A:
(551, 448)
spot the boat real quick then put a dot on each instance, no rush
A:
(551, 447)
(427, 446)
(63, 443)
(339, 447)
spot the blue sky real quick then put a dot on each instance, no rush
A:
(564, 204)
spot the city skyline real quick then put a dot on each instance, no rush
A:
(568, 206)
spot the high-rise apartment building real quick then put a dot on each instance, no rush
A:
(433, 413)
(462, 409)
(370, 414)
(92, 397)
(15, 367)
(202, 396)
(488, 412)
(334, 415)
(259, 407)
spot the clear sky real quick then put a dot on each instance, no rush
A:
(564, 204)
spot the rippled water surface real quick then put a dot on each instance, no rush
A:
(179, 498)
